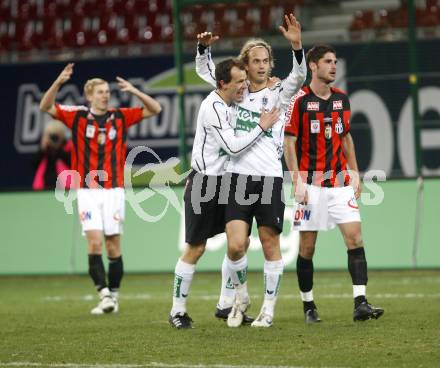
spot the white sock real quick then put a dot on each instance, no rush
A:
(104, 292)
(273, 271)
(227, 291)
(307, 296)
(115, 294)
(238, 270)
(183, 275)
(238, 273)
(359, 290)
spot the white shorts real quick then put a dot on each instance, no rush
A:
(326, 207)
(102, 209)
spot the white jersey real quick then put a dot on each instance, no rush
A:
(264, 157)
(215, 141)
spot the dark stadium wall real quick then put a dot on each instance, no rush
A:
(375, 76)
(38, 237)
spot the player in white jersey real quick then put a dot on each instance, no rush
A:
(257, 173)
(214, 141)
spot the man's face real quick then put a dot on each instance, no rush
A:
(100, 97)
(325, 70)
(258, 66)
(236, 87)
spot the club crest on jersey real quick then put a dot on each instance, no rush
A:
(90, 131)
(315, 126)
(337, 105)
(112, 133)
(265, 100)
(101, 138)
(313, 106)
(339, 128)
(328, 132)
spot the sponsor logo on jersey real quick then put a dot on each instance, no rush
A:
(328, 132)
(112, 133)
(339, 128)
(313, 106)
(315, 126)
(247, 120)
(90, 131)
(337, 105)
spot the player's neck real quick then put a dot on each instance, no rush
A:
(96, 111)
(321, 89)
(257, 86)
(224, 96)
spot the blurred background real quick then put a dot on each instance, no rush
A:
(388, 53)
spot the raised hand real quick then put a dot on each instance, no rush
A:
(293, 31)
(269, 118)
(65, 74)
(206, 38)
(125, 86)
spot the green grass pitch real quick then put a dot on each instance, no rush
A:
(45, 322)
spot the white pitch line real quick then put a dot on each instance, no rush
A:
(146, 365)
(58, 298)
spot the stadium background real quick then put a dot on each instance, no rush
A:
(374, 70)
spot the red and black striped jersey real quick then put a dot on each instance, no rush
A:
(99, 143)
(319, 126)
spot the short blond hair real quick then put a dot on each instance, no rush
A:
(250, 44)
(91, 84)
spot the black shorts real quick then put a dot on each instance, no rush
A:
(261, 197)
(204, 216)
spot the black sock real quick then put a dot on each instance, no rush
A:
(357, 265)
(97, 271)
(304, 271)
(115, 272)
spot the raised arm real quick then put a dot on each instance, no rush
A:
(297, 76)
(225, 136)
(205, 67)
(151, 106)
(47, 103)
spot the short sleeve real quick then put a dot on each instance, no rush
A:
(292, 116)
(347, 115)
(132, 115)
(66, 114)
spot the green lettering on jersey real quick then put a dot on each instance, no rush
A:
(247, 120)
(221, 152)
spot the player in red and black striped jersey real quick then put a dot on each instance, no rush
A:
(99, 135)
(319, 151)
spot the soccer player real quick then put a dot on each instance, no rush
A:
(258, 172)
(319, 150)
(214, 143)
(99, 135)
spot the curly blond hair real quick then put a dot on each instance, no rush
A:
(252, 43)
(90, 85)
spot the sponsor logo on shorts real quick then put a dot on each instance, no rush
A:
(353, 203)
(85, 215)
(117, 216)
(302, 215)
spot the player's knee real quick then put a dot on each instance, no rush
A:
(353, 240)
(194, 252)
(95, 246)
